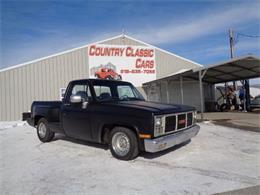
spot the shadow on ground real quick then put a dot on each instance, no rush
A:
(81, 142)
(105, 146)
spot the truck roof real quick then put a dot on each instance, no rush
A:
(102, 80)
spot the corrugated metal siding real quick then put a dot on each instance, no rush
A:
(191, 92)
(167, 64)
(40, 80)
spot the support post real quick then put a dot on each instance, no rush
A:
(167, 91)
(201, 96)
(247, 90)
(244, 98)
(181, 89)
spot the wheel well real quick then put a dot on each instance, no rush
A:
(108, 128)
(37, 118)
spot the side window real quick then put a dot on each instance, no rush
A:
(103, 92)
(81, 90)
(125, 91)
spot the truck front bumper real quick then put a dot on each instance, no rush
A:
(167, 141)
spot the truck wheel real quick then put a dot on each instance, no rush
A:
(43, 131)
(223, 107)
(123, 143)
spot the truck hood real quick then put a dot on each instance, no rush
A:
(155, 107)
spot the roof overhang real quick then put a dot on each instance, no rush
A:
(247, 67)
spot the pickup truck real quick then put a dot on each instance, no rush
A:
(114, 113)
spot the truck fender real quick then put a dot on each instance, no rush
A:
(107, 128)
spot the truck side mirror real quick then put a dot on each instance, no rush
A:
(75, 99)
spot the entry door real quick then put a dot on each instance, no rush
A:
(76, 118)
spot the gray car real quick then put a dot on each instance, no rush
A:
(255, 103)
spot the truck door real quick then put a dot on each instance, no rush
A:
(76, 115)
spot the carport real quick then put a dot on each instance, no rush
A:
(236, 69)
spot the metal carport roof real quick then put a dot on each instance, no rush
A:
(241, 68)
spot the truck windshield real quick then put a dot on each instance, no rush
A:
(123, 92)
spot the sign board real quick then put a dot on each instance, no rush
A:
(135, 64)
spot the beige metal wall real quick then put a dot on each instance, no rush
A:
(42, 80)
(167, 64)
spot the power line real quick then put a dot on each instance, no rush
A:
(250, 36)
(236, 39)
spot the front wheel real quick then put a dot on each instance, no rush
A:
(43, 131)
(123, 143)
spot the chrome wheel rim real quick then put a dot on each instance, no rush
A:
(120, 143)
(42, 130)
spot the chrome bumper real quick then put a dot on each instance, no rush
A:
(167, 141)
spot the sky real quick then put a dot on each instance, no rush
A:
(197, 30)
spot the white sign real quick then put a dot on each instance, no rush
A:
(135, 64)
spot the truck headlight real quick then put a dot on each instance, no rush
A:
(158, 121)
(158, 126)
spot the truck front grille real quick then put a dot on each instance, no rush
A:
(178, 121)
(181, 121)
(189, 119)
(170, 123)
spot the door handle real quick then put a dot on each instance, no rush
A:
(67, 104)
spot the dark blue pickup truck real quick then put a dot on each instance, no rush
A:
(114, 113)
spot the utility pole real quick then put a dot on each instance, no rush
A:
(232, 44)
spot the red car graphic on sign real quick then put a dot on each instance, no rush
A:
(107, 73)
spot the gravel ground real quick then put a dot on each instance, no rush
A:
(218, 159)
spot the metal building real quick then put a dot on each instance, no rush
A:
(44, 78)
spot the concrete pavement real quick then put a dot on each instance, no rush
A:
(218, 159)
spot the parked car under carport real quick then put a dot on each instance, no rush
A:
(255, 103)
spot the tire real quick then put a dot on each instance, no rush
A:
(43, 131)
(223, 107)
(129, 148)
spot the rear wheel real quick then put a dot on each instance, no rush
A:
(43, 131)
(123, 143)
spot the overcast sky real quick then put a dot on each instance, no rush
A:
(197, 30)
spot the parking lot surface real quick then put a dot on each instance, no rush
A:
(218, 159)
